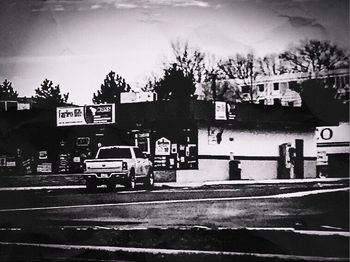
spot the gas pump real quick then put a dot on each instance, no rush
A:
(286, 161)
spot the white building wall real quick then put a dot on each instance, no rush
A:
(254, 142)
(261, 146)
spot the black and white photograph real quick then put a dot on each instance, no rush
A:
(174, 130)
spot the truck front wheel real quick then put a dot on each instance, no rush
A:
(149, 180)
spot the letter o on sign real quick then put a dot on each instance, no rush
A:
(326, 134)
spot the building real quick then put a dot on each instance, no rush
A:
(187, 141)
(21, 103)
(277, 89)
(194, 142)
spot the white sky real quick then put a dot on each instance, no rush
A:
(75, 43)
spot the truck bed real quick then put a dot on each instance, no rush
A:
(103, 166)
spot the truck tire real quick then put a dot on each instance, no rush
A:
(131, 181)
(149, 180)
(111, 186)
(90, 186)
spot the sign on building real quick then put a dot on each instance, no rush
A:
(336, 135)
(322, 158)
(23, 106)
(85, 115)
(220, 110)
(213, 133)
(137, 97)
(162, 147)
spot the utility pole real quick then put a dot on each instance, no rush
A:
(251, 80)
(213, 85)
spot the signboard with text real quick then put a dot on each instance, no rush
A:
(163, 146)
(85, 115)
(220, 110)
(333, 134)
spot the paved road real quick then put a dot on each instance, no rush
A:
(275, 215)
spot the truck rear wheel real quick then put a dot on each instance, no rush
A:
(111, 186)
(90, 185)
(131, 183)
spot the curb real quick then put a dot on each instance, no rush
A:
(252, 182)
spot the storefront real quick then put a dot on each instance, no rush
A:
(171, 147)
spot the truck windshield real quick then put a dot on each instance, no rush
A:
(114, 153)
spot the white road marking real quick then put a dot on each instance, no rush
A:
(175, 190)
(40, 188)
(286, 195)
(194, 190)
(303, 232)
(154, 251)
(331, 227)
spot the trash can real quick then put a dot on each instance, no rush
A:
(234, 170)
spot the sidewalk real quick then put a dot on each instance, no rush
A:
(76, 181)
(251, 182)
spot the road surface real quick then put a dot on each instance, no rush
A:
(298, 220)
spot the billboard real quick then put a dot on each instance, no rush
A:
(85, 115)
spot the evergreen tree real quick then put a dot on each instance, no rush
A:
(175, 84)
(7, 92)
(49, 96)
(111, 88)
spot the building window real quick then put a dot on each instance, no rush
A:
(290, 104)
(245, 89)
(262, 102)
(293, 85)
(261, 88)
(275, 86)
(276, 101)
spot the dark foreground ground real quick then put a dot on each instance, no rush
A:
(242, 244)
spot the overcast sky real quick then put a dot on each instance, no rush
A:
(76, 43)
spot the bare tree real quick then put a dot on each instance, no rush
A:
(242, 67)
(271, 64)
(315, 56)
(190, 60)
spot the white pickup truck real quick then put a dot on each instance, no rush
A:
(113, 165)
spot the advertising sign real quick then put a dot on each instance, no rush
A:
(231, 109)
(44, 168)
(162, 147)
(333, 134)
(85, 115)
(322, 158)
(213, 133)
(42, 155)
(220, 110)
